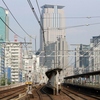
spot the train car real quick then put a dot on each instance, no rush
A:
(30, 83)
(54, 80)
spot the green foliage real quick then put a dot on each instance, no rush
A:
(8, 82)
(2, 81)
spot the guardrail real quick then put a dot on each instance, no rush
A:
(11, 86)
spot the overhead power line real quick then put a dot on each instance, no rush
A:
(82, 25)
(10, 28)
(31, 6)
(61, 28)
(37, 19)
(38, 8)
(16, 19)
(88, 17)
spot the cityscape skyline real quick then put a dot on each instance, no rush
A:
(72, 9)
(53, 20)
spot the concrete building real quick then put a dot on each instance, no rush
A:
(69, 71)
(53, 22)
(95, 53)
(81, 59)
(13, 59)
(2, 62)
(27, 60)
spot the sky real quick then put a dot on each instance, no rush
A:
(73, 8)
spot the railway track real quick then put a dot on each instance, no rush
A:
(78, 95)
(40, 94)
(12, 93)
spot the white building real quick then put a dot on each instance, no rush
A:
(13, 59)
(69, 71)
(2, 62)
(54, 33)
(53, 22)
(81, 59)
(27, 60)
(95, 53)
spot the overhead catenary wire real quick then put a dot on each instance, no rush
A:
(62, 28)
(82, 25)
(16, 19)
(32, 8)
(38, 8)
(88, 17)
(11, 29)
(37, 19)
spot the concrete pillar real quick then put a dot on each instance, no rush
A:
(99, 79)
(57, 75)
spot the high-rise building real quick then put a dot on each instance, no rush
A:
(4, 32)
(95, 53)
(4, 37)
(82, 58)
(2, 62)
(53, 23)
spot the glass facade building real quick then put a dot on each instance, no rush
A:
(4, 33)
(4, 37)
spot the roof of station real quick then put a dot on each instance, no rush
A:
(51, 71)
(83, 75)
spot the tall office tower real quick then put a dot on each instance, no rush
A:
(82, 59)
(4, 31)
(4, 36)
(53, 23)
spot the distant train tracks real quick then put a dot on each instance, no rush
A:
(11, 93)
(41, 94)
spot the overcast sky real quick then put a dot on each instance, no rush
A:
(73, 8)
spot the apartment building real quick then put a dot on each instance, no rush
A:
(14, 60)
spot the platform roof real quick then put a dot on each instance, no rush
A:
(83, 75)
(50, 71)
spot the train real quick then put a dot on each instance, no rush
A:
(54, 80)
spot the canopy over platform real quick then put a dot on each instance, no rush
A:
(83, 75)
(51, 71)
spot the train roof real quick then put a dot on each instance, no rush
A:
(50, 71)
(83, 75)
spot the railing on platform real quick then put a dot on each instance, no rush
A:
(11, 86)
